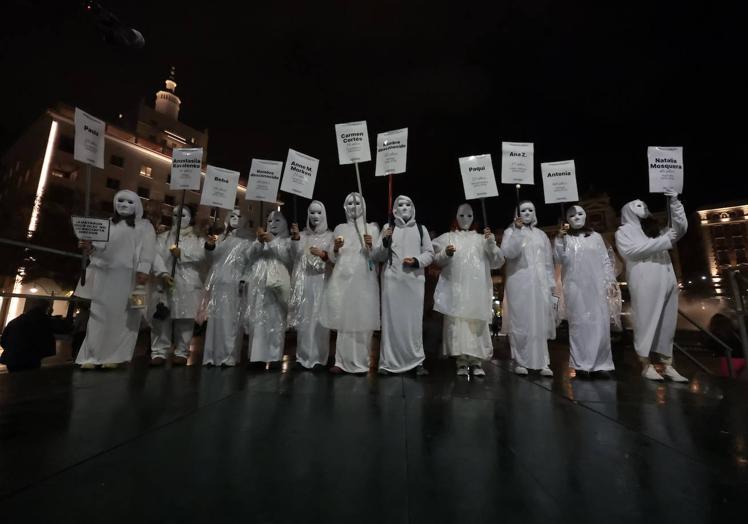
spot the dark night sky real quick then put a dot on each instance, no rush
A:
(593, 81)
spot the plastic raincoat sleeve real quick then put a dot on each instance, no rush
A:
(642, 247)
(493, 252)
(610, 274)
(158, 267)
(549, 267)
(379, 252)
(147, 239)
(440, 244)
(187, 256)
(679, 219)
(281, 250)
(511, 243)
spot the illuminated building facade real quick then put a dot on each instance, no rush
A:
(724, 231)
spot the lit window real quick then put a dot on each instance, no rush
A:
(145, 171)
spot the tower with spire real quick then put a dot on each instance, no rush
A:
(167, 102)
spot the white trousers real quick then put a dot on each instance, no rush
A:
(352, 351)
(161, 337)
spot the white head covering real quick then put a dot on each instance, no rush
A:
(363, 205)
(322, 226)
(284, 232)
(398, 219)
(629, 216)
(535, 218)
(131, 195)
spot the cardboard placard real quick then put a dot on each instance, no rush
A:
(517, 163)
(219, 189)
(478, 177)
(353, 142)
(186, 163)
(264, 179)
(90, 133)
(392, 152)
(94, 229)
(665, 169)
(300, 174)
(559, 182)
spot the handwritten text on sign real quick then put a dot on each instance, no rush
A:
(94, 229)
(478, 177)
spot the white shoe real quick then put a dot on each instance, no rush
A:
(673, 375)
(477, 371)
(546, 372)
(462, 371)
(519, 370)
(88, 366)
(650, 373)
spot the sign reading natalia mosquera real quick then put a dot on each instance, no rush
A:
(392, 152)
(300, 174)
(665, 169)
(353, 143)
(559, 182)
(185, 168)
(219, 189)
(517, 161)
(87, 228)
(264, 178)
(478, 177)
(89, 139)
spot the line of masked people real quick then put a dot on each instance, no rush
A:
(357, 279)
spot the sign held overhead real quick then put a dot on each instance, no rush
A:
(478, 177)
(264, 179)
(219, 189)
(300, 174)
(665, 169)
(392, 152)
(353, 142)
(517, 162)
(559, 182)
(89, 139)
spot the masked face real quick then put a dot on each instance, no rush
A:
(276, 223)
(354, 207)
(640, 209)
(125, 206)
(577, 217)
(527, 212)
(235, 217)
(184, 220)
(315, 215)
(465, 216)
(404, 209)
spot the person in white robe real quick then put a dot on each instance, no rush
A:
(183, 293)
(311, 270)
(651, 279)
(464, 291)
(530, 285)
(405, 252)
(350, 304)
(268, 286)
(222, 287)
(116, 267)
(587, 280)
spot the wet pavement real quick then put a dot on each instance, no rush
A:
(222, 445)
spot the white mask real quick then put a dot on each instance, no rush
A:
(527, 212)
(577, 217)
(276, 223)
(125, 206)
(465, 216)
(186, 217)
(353, 206)
(640, 209)
(235, 217)
(404, 209)
(315, 215)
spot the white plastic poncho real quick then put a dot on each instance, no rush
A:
(587, 274)
(267, 290)
(464, 292)
(651, 279)
(529, 284)
(310, 273)
(401, 347)
(223, 301)
(110, 278)
(184, 296)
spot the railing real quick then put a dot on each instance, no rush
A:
(739, 296)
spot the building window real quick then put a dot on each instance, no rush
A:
(737, 230)
(67, 175)
(66, 144)
(740, 256)
(112, 183)
(723, 258)
(107, 206)
(146, 171)
(169, 200)
(117, 160)
(144, 192)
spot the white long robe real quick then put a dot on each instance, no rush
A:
(350, 304)
(310, 274)
(529, 284)
(464, 292)
(651, 281)
(586, 273)
(266, 311)
(401, 346)
(222, 286)
(113, 326)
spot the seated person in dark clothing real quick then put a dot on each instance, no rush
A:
(29, 338)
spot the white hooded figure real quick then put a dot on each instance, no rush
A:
(652, 282)
(588, 277)
(226, 254)
(268, 286)
(111, 277)
(350, 304)
(183, 296)
(464, 292)
(311, 249)
(405, 251)
(530, 284)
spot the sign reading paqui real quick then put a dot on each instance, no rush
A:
(300, 174)
(478, 177)
(185, 168)
(353, 142)
(559, 182)
(665, 169)
(219, 189)
(517, 161)
(392, 152)
(89, 139)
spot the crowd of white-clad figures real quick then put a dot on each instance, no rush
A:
(358, 279)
